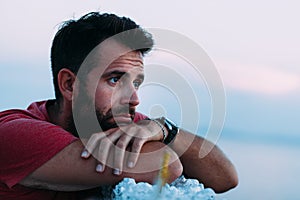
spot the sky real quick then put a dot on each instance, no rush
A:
(254, 45)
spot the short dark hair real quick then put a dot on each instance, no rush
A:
(76, 38)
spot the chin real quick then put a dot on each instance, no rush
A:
(107, 126)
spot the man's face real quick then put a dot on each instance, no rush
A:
(115, 92)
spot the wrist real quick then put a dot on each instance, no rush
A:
(168, 128)
(163, 130)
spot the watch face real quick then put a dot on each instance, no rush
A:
(168, 124)
(172, 130)
(171, 123)
(171, 126)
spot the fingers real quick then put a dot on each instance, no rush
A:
(135, 151)
(130, 134)
(91, 144)
(114, 142)
(103, 149)
(93, 141)
(100, 144)
(119, 155)
(117, 142)
(102, 154)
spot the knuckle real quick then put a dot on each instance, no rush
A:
(96, 135)
(137, 145)
(106, 141)
(121, 144)
(139, 136)
(93, 136)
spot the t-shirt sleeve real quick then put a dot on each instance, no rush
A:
(139, 116)
(26, 144)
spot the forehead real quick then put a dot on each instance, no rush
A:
(128, 61)
(111, 56)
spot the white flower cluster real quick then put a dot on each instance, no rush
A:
(180, 189)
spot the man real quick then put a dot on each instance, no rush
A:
(90, 136)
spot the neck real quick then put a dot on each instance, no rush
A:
(60, 113)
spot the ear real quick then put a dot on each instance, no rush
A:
(66, 80)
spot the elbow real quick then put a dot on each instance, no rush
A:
(234, 181)
(228, 186)
(228, 182)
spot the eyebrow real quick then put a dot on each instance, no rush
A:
(116, 72)
(121, 73)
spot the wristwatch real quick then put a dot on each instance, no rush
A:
(171, 128)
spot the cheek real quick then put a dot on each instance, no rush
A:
(103, 99)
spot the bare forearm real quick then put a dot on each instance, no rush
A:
(214, 170)
(67, 171)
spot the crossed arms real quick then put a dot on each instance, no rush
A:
(68, 171)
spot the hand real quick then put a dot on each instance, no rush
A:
(129, 137)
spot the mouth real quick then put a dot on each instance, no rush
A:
(121, 119)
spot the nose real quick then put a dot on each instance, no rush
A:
(134, 99)
(130, 97)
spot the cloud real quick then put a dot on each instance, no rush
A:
(259, 79)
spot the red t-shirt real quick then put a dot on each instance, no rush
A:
(27, 141)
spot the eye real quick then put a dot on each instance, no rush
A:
(113, 80)
(137, 84)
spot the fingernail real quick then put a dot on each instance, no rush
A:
(130, 164)
(84, 154)
(117, 171)
(99, 168)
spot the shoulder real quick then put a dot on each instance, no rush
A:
(36, 110)
(28, 140)
(31, 127)
(30, 124)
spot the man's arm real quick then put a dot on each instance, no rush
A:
(214, 170)
(67, 171)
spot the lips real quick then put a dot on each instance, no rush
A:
(122, 118)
